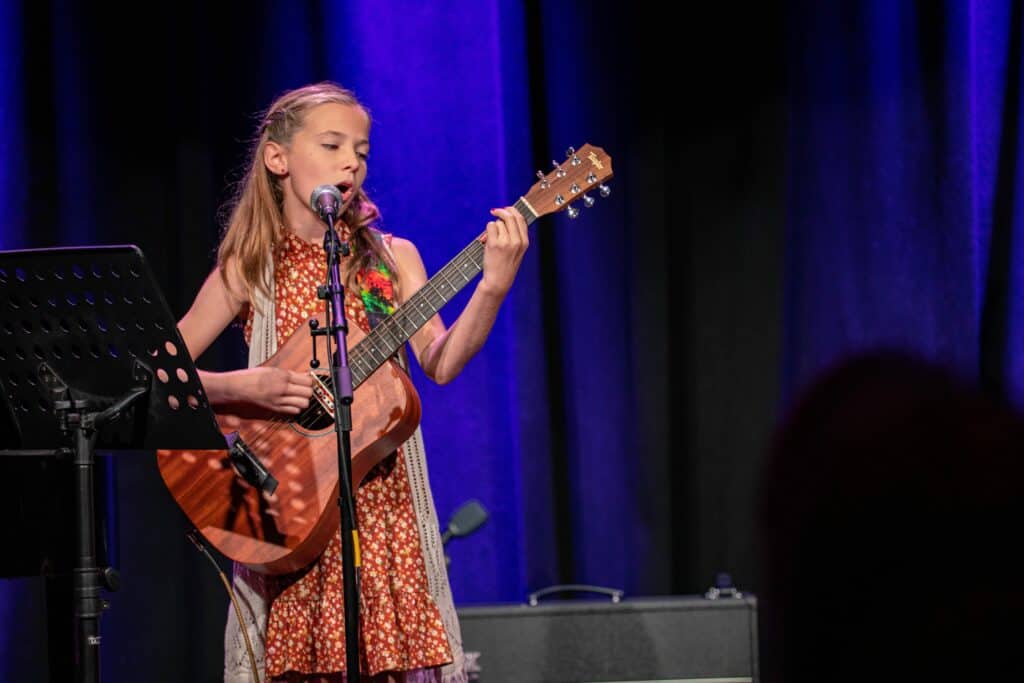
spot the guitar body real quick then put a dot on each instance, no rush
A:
(285, 531)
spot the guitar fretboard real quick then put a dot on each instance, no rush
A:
(385, 339)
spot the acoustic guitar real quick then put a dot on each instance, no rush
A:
(270, 500)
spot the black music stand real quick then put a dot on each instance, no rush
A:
(91, 358)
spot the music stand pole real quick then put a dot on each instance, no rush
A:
(80, 417)
(341, 386)
(86, 584)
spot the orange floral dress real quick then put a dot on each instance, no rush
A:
(401, 626)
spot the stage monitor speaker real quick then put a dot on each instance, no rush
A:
(668, 639)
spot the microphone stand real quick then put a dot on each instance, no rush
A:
(341, 387)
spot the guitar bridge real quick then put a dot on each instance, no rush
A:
(322, 392)
(248, 466)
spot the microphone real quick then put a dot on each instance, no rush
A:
(465, 521)
(325, 201)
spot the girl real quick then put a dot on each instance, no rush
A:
(269, 264)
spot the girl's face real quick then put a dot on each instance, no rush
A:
(331, 148)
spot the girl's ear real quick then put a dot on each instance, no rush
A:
(275, 158)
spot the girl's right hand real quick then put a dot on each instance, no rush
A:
(274, 389)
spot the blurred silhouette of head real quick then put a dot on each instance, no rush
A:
(890, 515)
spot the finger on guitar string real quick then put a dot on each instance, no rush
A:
(497, 232)
(299, 390)
(293, 404)
(511, 226)
(302, 379)
(521, 229)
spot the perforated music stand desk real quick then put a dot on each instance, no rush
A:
(91, 357)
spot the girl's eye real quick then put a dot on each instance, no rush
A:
(330, 146)
(364, 155)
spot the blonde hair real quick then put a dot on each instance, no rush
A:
(255, 224)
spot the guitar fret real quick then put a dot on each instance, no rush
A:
(367, 366)
(401, 319)
(424, 317)
(436, 291)
(387, 331)
(448, 273)
(523, 208)
(375, 352)
(383, 345)
(358, 374)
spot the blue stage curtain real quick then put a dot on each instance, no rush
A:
(904, 227)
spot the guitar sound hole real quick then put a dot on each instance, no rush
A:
(316, 418)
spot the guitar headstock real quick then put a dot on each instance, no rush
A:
(582, 170)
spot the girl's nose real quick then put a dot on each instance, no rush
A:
(350, 160)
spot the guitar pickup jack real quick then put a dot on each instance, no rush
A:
(248, 466)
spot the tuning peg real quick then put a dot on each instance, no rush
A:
(573, 212)
(604, 190)
(571, 153)
(543, 180)
(588, 201)
(559, 171)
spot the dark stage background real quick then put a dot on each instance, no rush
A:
(793, 182)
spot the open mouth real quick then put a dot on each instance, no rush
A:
(346, 191)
